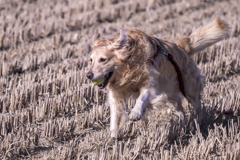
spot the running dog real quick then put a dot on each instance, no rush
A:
(156, 71)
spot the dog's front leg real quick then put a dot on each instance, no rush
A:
(114, 117)
(140, 105)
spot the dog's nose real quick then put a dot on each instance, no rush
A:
(89, 75)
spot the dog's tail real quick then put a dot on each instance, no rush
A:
(205, 36)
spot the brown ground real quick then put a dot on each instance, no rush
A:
(49, 110)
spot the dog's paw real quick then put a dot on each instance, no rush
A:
(135, 115)
(113, 134)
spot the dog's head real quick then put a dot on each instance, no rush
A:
(106, 58)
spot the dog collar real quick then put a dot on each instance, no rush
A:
(174, 63)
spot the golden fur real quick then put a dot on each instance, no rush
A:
(125, 56)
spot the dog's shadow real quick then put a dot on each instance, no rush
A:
(176, 130)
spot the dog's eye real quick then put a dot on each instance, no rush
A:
(103, 59)
(90, 60)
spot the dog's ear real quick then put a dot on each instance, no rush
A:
(122, 42)
(121, 45)
(94, 39)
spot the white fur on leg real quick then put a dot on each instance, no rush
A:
(140, 105)
(113, 115)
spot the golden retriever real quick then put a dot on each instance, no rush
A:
(122, 64)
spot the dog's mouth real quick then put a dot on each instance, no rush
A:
(107, 77)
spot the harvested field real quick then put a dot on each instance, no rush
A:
(49, 110)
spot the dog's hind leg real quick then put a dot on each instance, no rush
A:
(195, 101)
(176, 101)
(141, 104)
